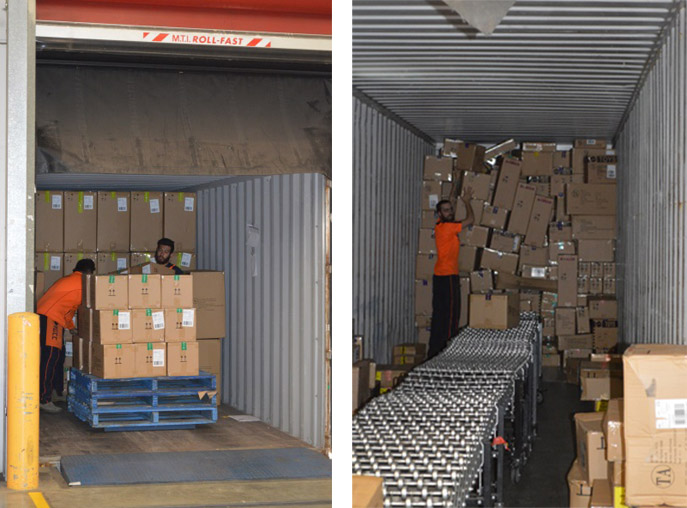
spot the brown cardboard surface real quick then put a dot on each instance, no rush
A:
(462, 212)
(210, 361)
(590, 143)
(534, 272)
(507, 184)
(180, 325)
(602, 494)
(467, 259)
(429, 218)
(543, 188)
(584, 269)
(494, 217)
(438, 168)
(567, 281)
(500, 148)
(609, 270)
(149, 268)
(534, 256)
(556, 248)
(538, 146)
(477, 236)
(579, 155)
(616, 473)
(591, 447)
(600, 172)
(146, 220)
(562, 159)
(426, 242)
(108, 292)
(565, 322)
(209, 302)
(557, 185)
(450, 147)
(423, 296)
(84, 319)
(70, 260)
(601, 380)
(537, 163)
(113, 361)
(591, 199)
(580, 490)
(560, 232)
(81, 219)
(182, 358)
(148, 325)
(613, 431)
(431, 194)
(596, 250)
(539, 221)
(177, 291)
(464, 301)
(424, 263)
(480, 184)
(111, 262)
(506, 280)
(51, 264)
(499, 261)
(367, 491)
(482, 281)
(470, 157)
(114, 217)
(179, 223)
(608, 287)
(49, 221)
(566, 342)
(595, 286)
(582, 286)
(145, 291)
(522, 209)
(603, 308)
(594, 227)
(112, 326)
(39, 286)
(605, 339)
(140, 258)
(184, 260)
(504, 241)
(551, 360)
(149, 360)
(494, 311)
(582, 314)
(389, 375)
(596, 269)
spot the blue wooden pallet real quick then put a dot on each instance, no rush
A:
(142, 403)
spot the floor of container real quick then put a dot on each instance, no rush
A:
(64, 434)
(543, 482)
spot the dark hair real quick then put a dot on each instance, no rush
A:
(443, 201)
(167, 242)
(85, 266)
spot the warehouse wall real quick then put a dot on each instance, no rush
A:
(267, 234)
(387, 180)
(652, 184)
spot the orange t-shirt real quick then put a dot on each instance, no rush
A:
(60, 302)
(448, 247)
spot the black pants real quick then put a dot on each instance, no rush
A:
(445, 312)
(52, 361)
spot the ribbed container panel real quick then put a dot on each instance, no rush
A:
(268, 236)
(387, 181)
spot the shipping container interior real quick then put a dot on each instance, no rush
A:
(251, 137)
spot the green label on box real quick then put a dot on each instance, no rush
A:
(181, 197)
(112, 279)
(183, 346)
(119, 346)
(80, 202)
(46, 262)
(79, 256)
(144, 279)
(176, 277)
(47, 196)
(146, 196)
(115, 313)
(179, 311)
(150, 346)
(149, 312)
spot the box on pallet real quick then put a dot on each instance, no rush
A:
(148, 325)
(112, 361)
(182, 358)
(176, 291)
(180, 325)
(112, 326)
(149, 360)
(144, 291)
(104, 292)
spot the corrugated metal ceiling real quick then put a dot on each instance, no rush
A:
(552, 70)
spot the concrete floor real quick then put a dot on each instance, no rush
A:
(543, 482)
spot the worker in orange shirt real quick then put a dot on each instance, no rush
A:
(56, 310)
(446, 282)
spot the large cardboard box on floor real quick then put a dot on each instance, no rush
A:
(507, 184)
(111, 262)
(50, 221)
(146, 221)
(148, 325)
(655, 403)
(367, 491)
(590, 199)
(111, 326)
(494, 311)
(149, 359)
(81, 218)
(210, 361)
(145, 291)
(438, 168)
(114, 221)
(182, 358)
(613, 431)
(180, 220)
(210, 304)
(177, 291)
(106, 292)
(594, 227)
(591, 448)
(580, 490)
(602, 494)
(113, 361)
(522, 208)
(539, 221)
(180, 325)
(601, 380)
(51, 265)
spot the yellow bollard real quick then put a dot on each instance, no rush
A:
(23, 397)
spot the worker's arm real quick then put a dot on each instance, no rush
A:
(466, 197)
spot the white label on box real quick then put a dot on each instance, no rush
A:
(158, 357)
(539, 273)
(610, 152)
(55, 263)
(57, 201)
(88, 202)
(121, 205)
(186, 260)
(124, 321)
(188, 204)
(145, 269)
(610, 171)
(68, 348)
(433, 200)
(671, 413)
(158, 320)
(187, 318)
(154, 206)
(591, 141)
(121, 263)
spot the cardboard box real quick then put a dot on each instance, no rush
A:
(601, 380)
(594, 227)
(148, 269)
(522, 209)
(543, 188)
(565, 322)
(411, 349)
(145, 291)
(534, 256)
(580, 490)
(494, 311)
(180, 325)
(579, 154)
(462, 212)
(429, 219)
(146, 221)
(431, 194)
(595, 286)
(426, 242)
(179, 222)
(390, 375)
(557, 185)
(367, 491)
(504, 241)
(584, 269)
(561, 159)
(149, 360)
(602, 494)
(556, 248)
(567, 342)
(590, 199)
(596, 269)
(590, 143)
(114, 221)
(51, 264)
(603, 309)
(582, 286)
(464, 301)
(470, 157)
(613, 431)
(84, 319)
(567, 281)
(112, 262)
(480, 184)
(49, 221)
(70, 259)
(424, 264)
(591, 449)
(209, 301)
(141, 258)
(596, 250)
(110, 326)
(450, 148)
(538, 146)
(182, 358)
(438, 168)
(423, 297)
(81, 218)
(609, 270)
(616, 473)
(507, 184)
(582, 315)
(82, 354)
(560, 232)
(551, 360)
(539, 221)
(467, 259)
(184, 260)
(608, 287)
(148, 325)
(605, 339)
(107, 292)
(599, 172)
(500, 148)
(534, 272)
(113, 361)
(537, 163)
(482, 281)
(210, 361)
(177, 291)
(494, 217)
(499, 261)
(477, 236)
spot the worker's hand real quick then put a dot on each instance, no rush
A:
(468, 193)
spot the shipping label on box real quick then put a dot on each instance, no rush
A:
(424, 263)
(591, 199)
(567, 281)
(539, 221)
(480, 184)
(179, 221)
(534, 272)
(591, 448)
(49, 221)
(182, 359)
(498, 312)
(482, 281)
(499, 261)
(537, 163)
(438, 168)
(148, 325)
(426, 243)
(423, 296)
(594, 227)
(109, 292)
(177, 291)
(145, 291)
(180, 325)
(522, 209)
(477, 236)
(146, 221)
(565, 322)
(590, 143)
(507, 184)
(113, 361)
(80, 215)
(112, 262)
(504, 241)
(114, 217)
(603, 173)
(149, 359)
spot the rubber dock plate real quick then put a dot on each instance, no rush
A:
(204, 466)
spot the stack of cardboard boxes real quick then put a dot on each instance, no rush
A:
(114, 229)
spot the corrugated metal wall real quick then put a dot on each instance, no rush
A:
(652, 183)
(267, 234)
(387, 180)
